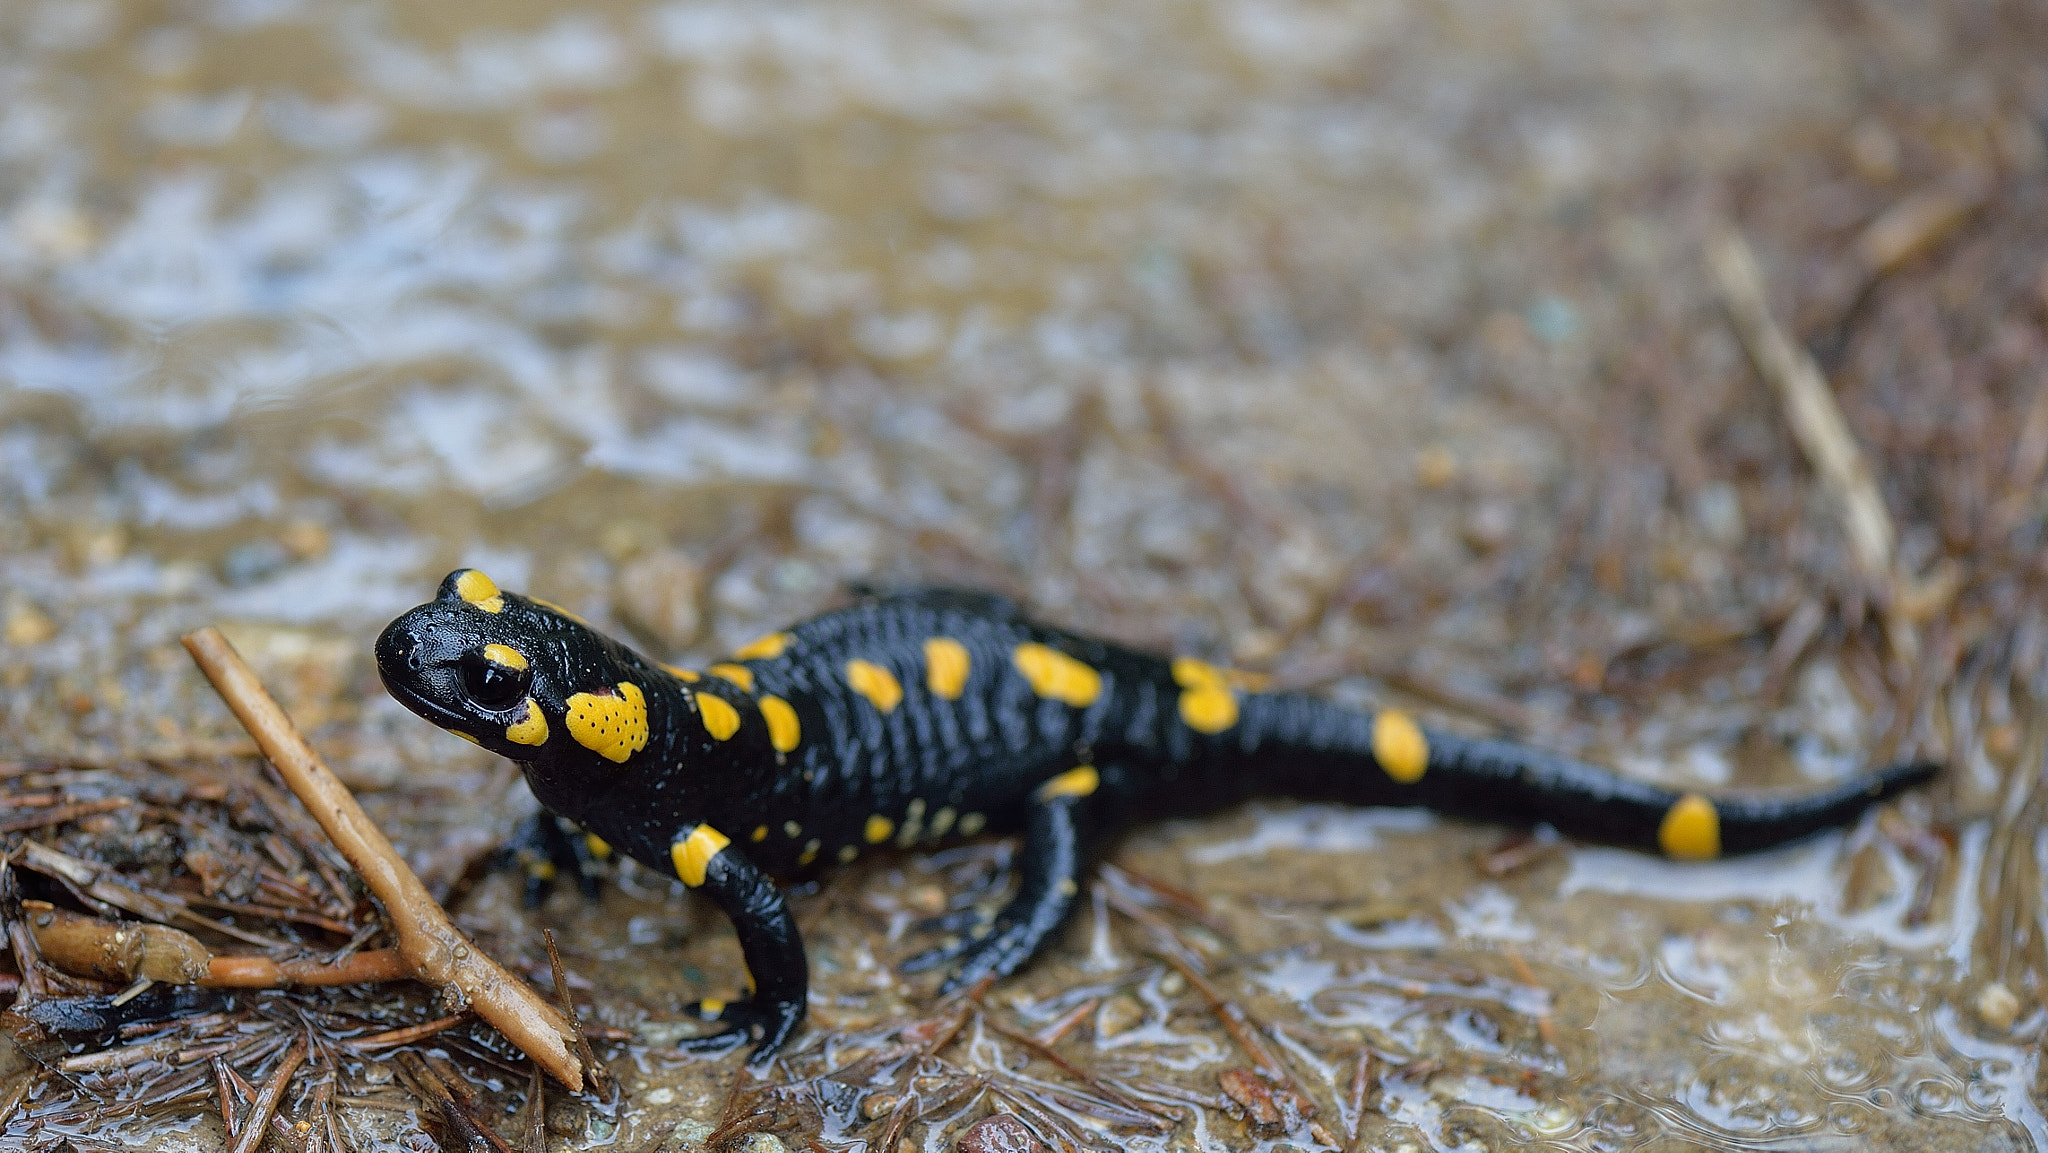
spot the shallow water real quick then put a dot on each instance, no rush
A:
(1183, 322)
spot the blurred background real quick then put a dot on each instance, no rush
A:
(1367, 343)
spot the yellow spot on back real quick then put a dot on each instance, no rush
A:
(598, 846)
(692, 855)
(1075, 782)
(783, 730)
(505, 656)
(1207, 704)
(1691, 830)
(476, 588)
(721, 720)
(530, 729)
(1399, 746)
(874, 682)
(946, 665)
(763, 648)
(760, 834)
(1057, 676)
(740, 675)
(680, 673)
(612, 726)
(878, 829)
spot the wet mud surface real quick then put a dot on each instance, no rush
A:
(1370, 345)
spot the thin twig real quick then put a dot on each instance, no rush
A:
(436, 951)
(266, 1102)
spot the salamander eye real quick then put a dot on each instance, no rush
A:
(492, 684)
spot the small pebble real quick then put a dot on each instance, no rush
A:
(26, 625)
(999, 1133)
(1998, 1007)
(1119, 1014)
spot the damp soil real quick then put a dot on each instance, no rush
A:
(1366, 344)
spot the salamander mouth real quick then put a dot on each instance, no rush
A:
(427, 707)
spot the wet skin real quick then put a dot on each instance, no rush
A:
(915, 719)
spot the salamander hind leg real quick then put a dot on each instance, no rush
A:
(1058, 847)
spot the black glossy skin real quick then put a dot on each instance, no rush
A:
(989, 752)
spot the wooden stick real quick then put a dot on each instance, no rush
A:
(431, 945)
(1818, 425)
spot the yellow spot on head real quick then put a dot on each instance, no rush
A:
(878, 829)
(1076, 782)
(680, 673)
(1055, 675)
(598, 846)
(505, 656)
(1399, 746)
(763, 648)
(692, 855)
(531, 728)
(721, 720)
(740, 675)
(614, 726)
(1691, 830)
(760, 834)
(946, 665)
(465, 736)
(477, 589)
(559, 611)
(874, 682)
(784, 731)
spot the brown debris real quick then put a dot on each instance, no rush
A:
(433, 948)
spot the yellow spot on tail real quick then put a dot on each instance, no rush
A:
(721, 720)
(530, 729)
(1057, 676)
(874, 682)
(760, 834)
(612, 725)
(680, 673)
(598, 846)
(946, 665)
(740, 675)
(505, 656)
(479, 590)
(1207, 704)
(693, 854)
(1076, 782)
(1691, 830)
(763, 648)
(1399, 746)
(783, 729)
(878, 829)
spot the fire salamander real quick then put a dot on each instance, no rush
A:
(913, 719)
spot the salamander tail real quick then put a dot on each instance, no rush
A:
(1500, 780)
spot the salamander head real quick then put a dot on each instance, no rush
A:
(517, 676)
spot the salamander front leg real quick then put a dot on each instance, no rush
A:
(545, 847)
(1057, 847)
(774, 953)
